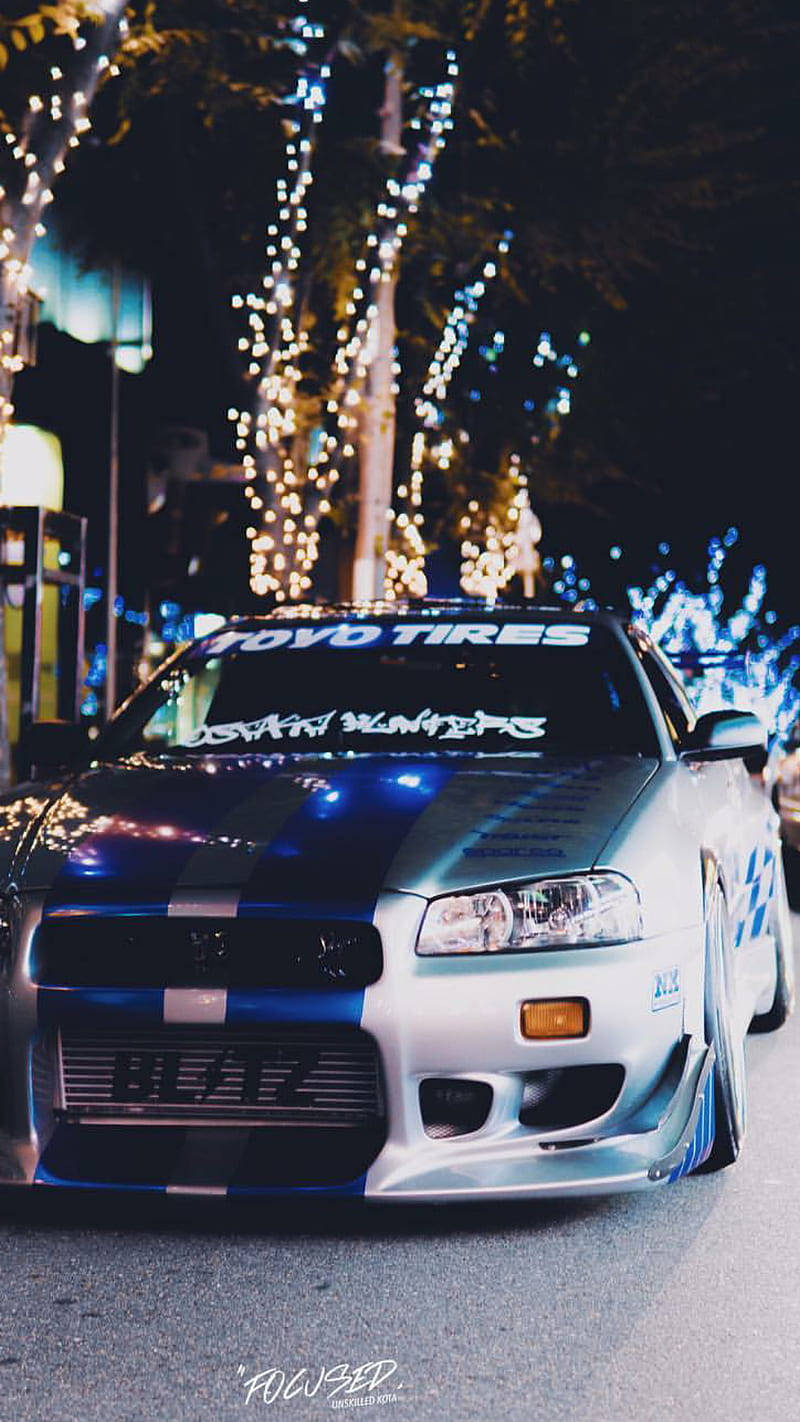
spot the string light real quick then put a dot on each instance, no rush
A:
(51, 127)
(488, 566)
(291, 500)
(737, 658)
(492, 542)
(406, 550)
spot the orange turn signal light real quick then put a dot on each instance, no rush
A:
(555, 1017)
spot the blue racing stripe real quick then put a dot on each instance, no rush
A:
(62, 1006)
(136, 852)
(106, 909)
(331, 857)
(335, 1005)
(350, 1188)
(43, 1176)
(110, 1157)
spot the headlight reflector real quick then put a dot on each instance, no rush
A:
(468, 923)
(577, 909)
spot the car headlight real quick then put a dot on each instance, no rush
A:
(579, 909)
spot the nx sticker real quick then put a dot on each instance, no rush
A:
(666, 988)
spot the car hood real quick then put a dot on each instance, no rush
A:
(316, 835)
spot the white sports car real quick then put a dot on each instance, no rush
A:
(415, 903)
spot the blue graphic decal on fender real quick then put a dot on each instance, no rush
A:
(756, 895)
(703, 1139)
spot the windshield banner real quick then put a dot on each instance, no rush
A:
(352, 636)
(436, 725)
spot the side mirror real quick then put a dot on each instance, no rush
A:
(728, 735)
(47, 746)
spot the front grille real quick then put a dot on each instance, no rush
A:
(140, 951)
(277, 1077)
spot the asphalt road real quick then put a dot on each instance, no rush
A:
(681, 1303)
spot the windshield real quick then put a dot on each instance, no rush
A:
(401, 687)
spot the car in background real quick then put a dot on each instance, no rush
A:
(417, 902)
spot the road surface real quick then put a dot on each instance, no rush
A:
(681, 1303)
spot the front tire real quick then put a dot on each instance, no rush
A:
(730, 1083)
(781, 926)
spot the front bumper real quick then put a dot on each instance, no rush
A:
(441, 1018)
